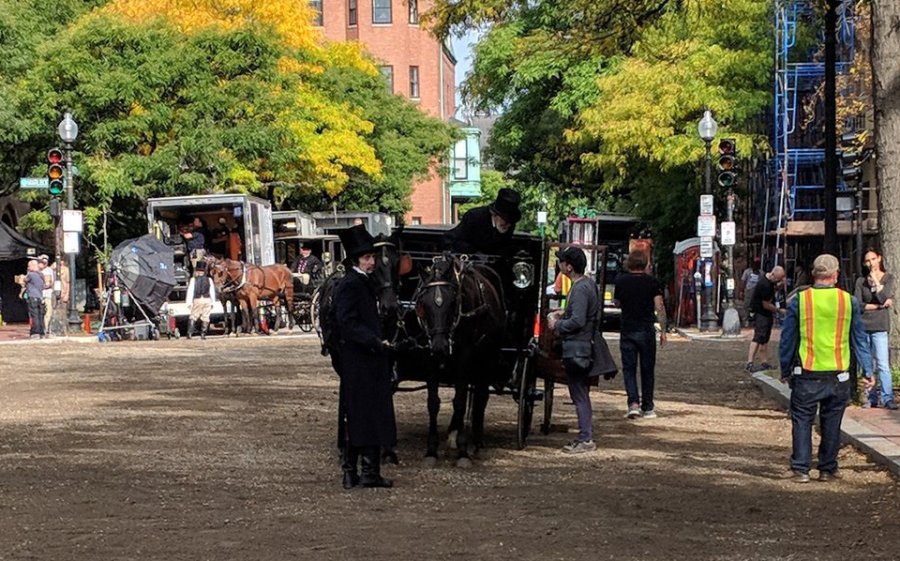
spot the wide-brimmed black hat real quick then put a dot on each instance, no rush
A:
(507, 205)
(357, 241)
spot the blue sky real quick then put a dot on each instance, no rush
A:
(462, 48)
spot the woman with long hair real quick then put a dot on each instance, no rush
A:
(875, 293)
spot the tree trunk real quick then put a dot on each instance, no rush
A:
(886, 91)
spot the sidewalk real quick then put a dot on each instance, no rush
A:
(18, 332)
(875, 432)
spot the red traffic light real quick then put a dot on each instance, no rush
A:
(54, 156)
(727, 147)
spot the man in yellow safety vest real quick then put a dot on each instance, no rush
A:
(822, 325)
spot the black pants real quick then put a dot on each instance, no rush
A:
(825, 395)
(36, 315)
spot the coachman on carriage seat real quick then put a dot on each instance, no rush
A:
(487, 229)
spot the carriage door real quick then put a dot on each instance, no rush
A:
(266, 237)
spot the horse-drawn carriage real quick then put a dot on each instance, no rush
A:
(467, 322)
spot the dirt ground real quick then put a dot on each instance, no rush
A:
(224, 450)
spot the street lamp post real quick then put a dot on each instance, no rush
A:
(707, 128)
(68, 133)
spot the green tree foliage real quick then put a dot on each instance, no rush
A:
(600, 100)
(171, 106)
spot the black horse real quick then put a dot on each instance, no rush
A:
(460, 308)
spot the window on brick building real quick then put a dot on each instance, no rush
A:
(460, 160)
(381, 11)
(351, 12)
(388, 73)
(317, 6)
(416, 220)
(413, 12)
(414, 82)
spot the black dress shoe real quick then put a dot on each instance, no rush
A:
(376, 482)
(351, 480)
(830, 475)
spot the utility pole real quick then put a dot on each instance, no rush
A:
(831, 238)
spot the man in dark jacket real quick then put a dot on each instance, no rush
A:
(487, 229)
(366, 392)
(577, 329)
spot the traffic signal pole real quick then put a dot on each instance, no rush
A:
(74, 320)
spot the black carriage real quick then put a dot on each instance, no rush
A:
(522, 272)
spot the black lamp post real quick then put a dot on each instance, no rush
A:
(707, 128)
(68, 133)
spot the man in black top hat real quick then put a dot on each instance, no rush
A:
(308, 264)
(487, 229)
(366, 393)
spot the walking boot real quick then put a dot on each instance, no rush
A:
(203, 326)
(190, 330)
(350, 458)
(371, 469)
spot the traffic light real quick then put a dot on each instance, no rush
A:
(727, 162)
(55, 171)
(851, 159)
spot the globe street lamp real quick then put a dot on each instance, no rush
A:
(707, 128)
(68, 133)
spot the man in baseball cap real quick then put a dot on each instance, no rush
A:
(822, 326)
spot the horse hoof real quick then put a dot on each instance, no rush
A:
(463, 463)
(451, 439)
(431, 461)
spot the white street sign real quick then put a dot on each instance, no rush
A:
(706, 246)
(542, 217)
(706, 205)
(728, 233)
(71, 242)
(706, 226)
(72, 222)
(34, 183)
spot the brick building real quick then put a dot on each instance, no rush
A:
(416, 65)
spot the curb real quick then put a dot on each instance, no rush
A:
(876, 447)
(714, 336)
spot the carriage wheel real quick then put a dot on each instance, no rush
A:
(525, 377)
(549, 383)
(305, 317)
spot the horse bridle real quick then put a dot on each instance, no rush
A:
(229, 285)
(450, 330)
(388, 284)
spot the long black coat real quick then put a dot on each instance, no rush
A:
(475, 233)
(366, 387)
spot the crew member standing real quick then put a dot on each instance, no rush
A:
(34, 290)
(366, 392)
(822, 325)
(200, 296)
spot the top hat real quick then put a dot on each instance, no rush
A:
(200, 266)
(507, 205)
(357, 241)
(305, 245)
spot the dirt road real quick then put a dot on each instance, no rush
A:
(224, 450)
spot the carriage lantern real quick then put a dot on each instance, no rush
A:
(523, 274)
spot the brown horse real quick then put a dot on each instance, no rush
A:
(253, 283)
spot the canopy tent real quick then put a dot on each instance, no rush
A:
(14, 245)
(145, 266)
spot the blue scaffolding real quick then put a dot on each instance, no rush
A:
(797, 169)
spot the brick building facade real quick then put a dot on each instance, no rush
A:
(417, 65)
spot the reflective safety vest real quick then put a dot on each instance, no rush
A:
(824, 323)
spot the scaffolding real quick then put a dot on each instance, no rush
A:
(797, 174)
